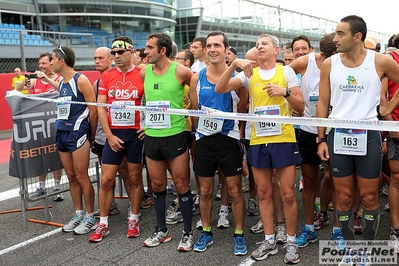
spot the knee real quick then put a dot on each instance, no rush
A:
(107, 183)
(264, 194)
(369, 201)
(288, 197)
(344, 198)
(136, 181)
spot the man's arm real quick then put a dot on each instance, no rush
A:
(194, 98)
(323, 106)
(54, 83)
(300, 64)
(183, 75)
(27, 84)
(226, 83)
(87, 90)
(389, 68)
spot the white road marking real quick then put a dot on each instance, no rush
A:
(29, 241)
(247, 262)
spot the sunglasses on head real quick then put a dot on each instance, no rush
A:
(62, 51)
(119, 52)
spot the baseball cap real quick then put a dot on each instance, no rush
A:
(372, 43)
(233, 50)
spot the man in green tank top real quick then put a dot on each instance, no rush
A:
(166, 140)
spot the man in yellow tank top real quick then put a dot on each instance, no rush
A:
(273, 90)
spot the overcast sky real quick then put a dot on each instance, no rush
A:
(381, 16)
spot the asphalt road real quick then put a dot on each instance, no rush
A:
(47, 245)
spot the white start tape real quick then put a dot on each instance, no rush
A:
(380, 125)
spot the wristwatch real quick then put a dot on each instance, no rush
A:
(287, 93)
(320, 140)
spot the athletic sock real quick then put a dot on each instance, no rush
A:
(104, 220)
(186, 208)
(370, 221)
(346, 222)
(57, 184)
(270, 239)
(160, 209)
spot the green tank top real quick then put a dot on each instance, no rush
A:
(163, 91)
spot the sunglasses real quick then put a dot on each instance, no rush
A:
(119, 52)
(62, 51)
(180, 58)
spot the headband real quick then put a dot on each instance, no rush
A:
(122, 44)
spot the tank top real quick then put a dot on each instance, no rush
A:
(42, 87)
(226, 102)
(310, 91)
(71, 117)
(393, 87)
(262, 103)
(164, 91)
(355, 92)
(123, 89)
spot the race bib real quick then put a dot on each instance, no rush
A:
(157, 120)
(64, 109)
(313, 99)
(120, 115)
(264, 128)
(208, 125)
(350, 141)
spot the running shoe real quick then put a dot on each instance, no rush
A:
(281, 233)
(186, 241)
(113, 210)
(301, 184)
(73, 223)
(196, 201)
(321, 221)
(101, 231)
(252, 208)
(133, 229)
(306, 237)
(245, 185)
(157, 238)
(240, 245)
(257, 228)
(218, 193)
(58, 197)
(88, 224)
(292, 253)
(199, 225)
(174, 216)
(223, 221)
(264, 250)
(357, 224)
(147, 201)
(394, 242)
(339, 239)
(39, 192)
(204, 240)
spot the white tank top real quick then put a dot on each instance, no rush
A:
(310, 91)
(355, 92)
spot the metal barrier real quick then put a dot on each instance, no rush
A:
(29, 185)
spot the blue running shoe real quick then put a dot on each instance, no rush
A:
(339, 240)
(204, 240)
(240, 245)
(306, 237)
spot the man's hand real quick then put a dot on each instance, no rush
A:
(141, 133)
(115, 143)
(322, 151)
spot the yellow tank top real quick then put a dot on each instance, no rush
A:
(262, 103)
(185, 103)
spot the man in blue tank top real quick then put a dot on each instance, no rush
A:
(76, 127)
(218, 142)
